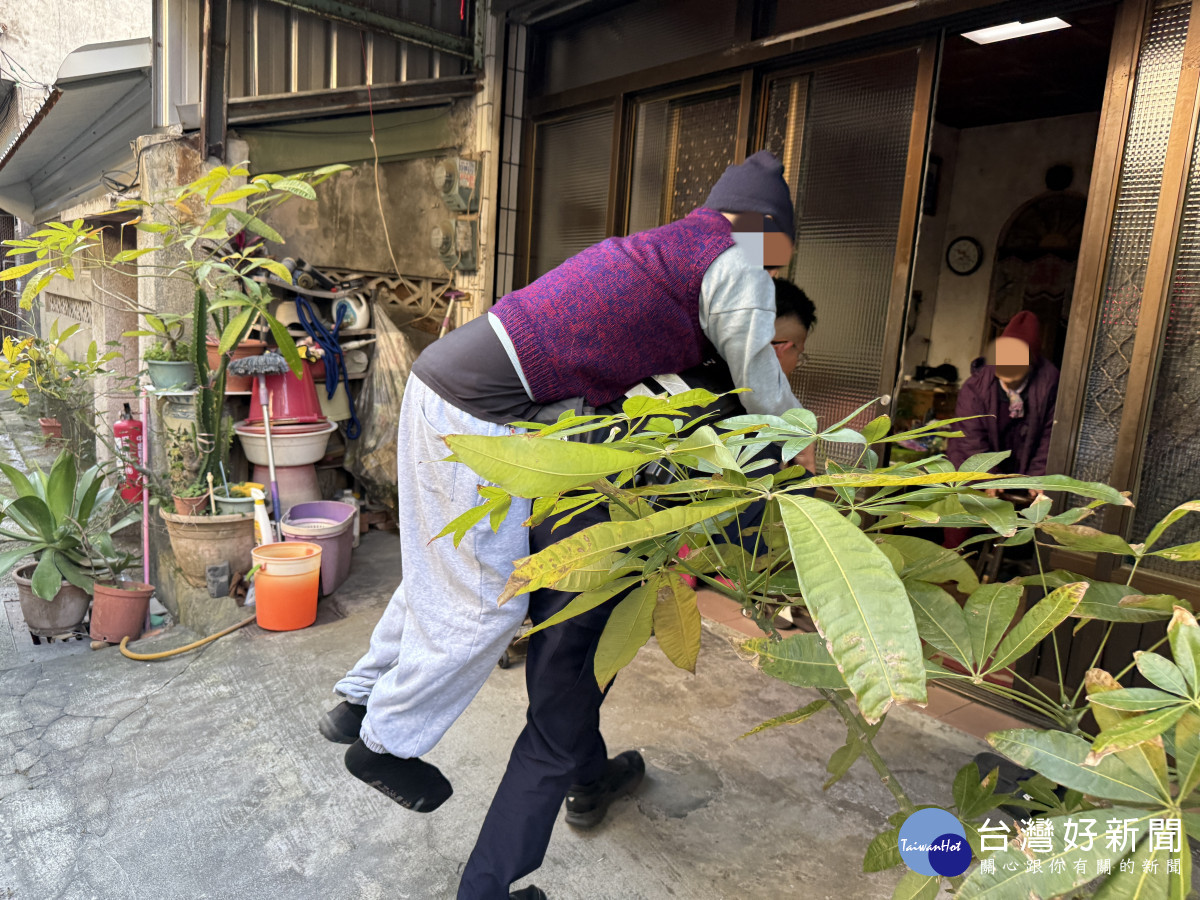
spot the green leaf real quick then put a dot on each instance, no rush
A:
(876, 429)
(998, 515)
(234, 330)
(792, 718)
(941, 622)
(299, 188)
(1093, 490)
(1187, 753)
(531, 466)
(1182, 553)
(1011, 878)
(1081, 537)
(286, 344)
(1170, 519)
(60, 492)
(599, 541)
(1147, 759)
(47, 580)
(1184, 636)
(802, 660)
(883, 852)
(583, 602)
(34, 517)
(677, 622)
(1036, 624)
(237, 194)
(1135, 699)
(1146, 879)
(705, 444)
(1060, 757)
(10, 558)
(984, 462)
(926, 561)
(626, 633)
(257, 226)
(461, 524)
(858, 604)
(915, 886)
(974, 796)
(1134, 731)
(989, 611)
(1160, 671)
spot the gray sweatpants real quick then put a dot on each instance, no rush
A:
(442, 632)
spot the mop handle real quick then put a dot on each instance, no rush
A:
(262, 399)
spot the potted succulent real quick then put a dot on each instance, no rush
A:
(191, 500)
(168, 361)
(53, 518)
(119, 606)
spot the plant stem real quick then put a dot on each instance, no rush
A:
(1095, 659)
(1062, 687)
(855, 723)
(1125, 671)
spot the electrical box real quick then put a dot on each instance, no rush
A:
(454, 241)
(456, 179)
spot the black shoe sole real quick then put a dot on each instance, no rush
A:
(593, 817)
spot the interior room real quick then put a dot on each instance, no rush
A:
(1015, 128)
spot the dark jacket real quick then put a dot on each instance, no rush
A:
(982, 395)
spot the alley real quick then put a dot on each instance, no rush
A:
(203, 776)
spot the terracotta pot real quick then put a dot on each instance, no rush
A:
(190, 506)
(51, 427)
(119, 611)
(47, 618)
(202, 541)
(248, 347)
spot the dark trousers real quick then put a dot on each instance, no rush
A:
(560, 745)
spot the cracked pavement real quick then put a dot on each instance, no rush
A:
(203, 776)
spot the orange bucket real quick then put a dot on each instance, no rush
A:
(285, 588)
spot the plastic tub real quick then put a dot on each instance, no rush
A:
(329, 524)
(295, 445)
(285, 587)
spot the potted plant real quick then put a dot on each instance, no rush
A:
(235, 499)
(52, 518)
(168, 361)
(191, 500)
(36, 368)
(119, 606)
(210, 234)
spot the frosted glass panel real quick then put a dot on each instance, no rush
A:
(1129, 242)
(681, 147)
(571, 178)
(1171, 458)
(844, 142)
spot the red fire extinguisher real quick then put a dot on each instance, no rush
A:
(128, 432)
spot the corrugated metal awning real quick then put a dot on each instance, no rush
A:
(99, 104)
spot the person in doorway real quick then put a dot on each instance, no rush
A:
(561, 751)
(601, 322)
(1013, 394)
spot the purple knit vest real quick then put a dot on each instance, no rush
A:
(620, 311)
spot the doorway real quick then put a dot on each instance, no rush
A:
(1011, 149)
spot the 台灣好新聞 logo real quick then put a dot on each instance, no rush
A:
(934, 842)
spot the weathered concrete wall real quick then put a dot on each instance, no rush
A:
(344, 228)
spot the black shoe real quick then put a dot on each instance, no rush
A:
(342, 723)
(413, 783)
(528, 893)
(587, 804)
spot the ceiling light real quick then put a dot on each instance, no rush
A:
(1014, 30)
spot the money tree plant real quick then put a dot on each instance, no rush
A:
(893, 612)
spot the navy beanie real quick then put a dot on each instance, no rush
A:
(755, 186)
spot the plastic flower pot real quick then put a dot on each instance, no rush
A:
(202, 541)
(51, 427)
(119, 610)
(235, 384)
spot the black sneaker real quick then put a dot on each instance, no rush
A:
(528, 893)
(411, 782)
(588, 804)
(342, 723)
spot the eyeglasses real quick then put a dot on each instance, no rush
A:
(801, 356)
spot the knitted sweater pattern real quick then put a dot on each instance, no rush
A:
(616, 313)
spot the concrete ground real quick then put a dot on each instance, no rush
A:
(203, 776)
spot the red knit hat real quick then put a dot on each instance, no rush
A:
(1025, 327)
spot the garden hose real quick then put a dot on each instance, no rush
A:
(125, 651)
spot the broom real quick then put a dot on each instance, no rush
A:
(259, 367)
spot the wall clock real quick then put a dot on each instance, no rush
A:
(964, 255)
